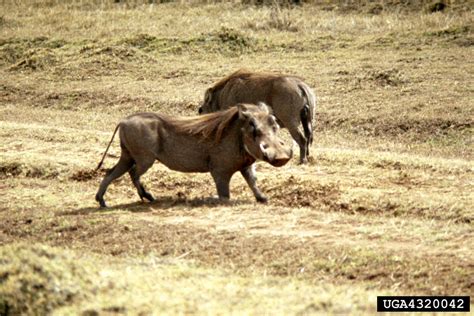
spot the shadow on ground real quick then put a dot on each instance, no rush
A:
(164, 202)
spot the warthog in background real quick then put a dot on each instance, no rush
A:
(221, 143)
(293, 102)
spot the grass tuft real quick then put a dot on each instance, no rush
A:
(16, 169)
(38, 279)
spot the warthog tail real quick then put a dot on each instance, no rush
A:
(105, 153)
(306, 114)
(306, 122)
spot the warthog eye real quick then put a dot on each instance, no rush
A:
(273, 123)
(271, 120)
(253, 127)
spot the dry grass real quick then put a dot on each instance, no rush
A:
(164, 286)
(385, 205)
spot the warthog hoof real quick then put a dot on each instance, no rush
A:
(148, 196)
(101, 201)
(262, 199)
(224, 199)
(303, 161)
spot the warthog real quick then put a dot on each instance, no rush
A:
(221, 143)
(293, 102)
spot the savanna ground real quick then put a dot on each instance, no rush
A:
(385, 205)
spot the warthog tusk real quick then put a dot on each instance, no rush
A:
(248, 152)
(264, 152)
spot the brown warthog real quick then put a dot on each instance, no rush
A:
(293, 102)
(221, 143)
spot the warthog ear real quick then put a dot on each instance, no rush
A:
(208, 95)
(263, 107)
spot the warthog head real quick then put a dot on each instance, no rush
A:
(208, 105)
(259, 133)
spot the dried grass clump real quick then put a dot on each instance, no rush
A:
(36, 59)
(16, 169)
(281, 19)
(36, 279)
(277, 17)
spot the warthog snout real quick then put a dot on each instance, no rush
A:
(276, 156)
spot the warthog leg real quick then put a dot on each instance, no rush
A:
(222, 180)
(249, 176)
(122, 166)
(135, 173)
(302, 142)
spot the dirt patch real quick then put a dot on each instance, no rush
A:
(82, 99)
(391, 77)
(295, 192)
(121, 53)
(165, 181)
(75, 100)
(467, 41)
(9, 93)
(394, 125)
(232, 38)
(9, 55)
(226, 40)
(373, 78)
(141, 40)
(30, 54)
(36, 59)
(85, 175)
(46, 55)
(459, 35)
(420, 128)
(15, 169)
(104, 60)
(10, 170)
(453, 32)
(399, 6)
(388, 164)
